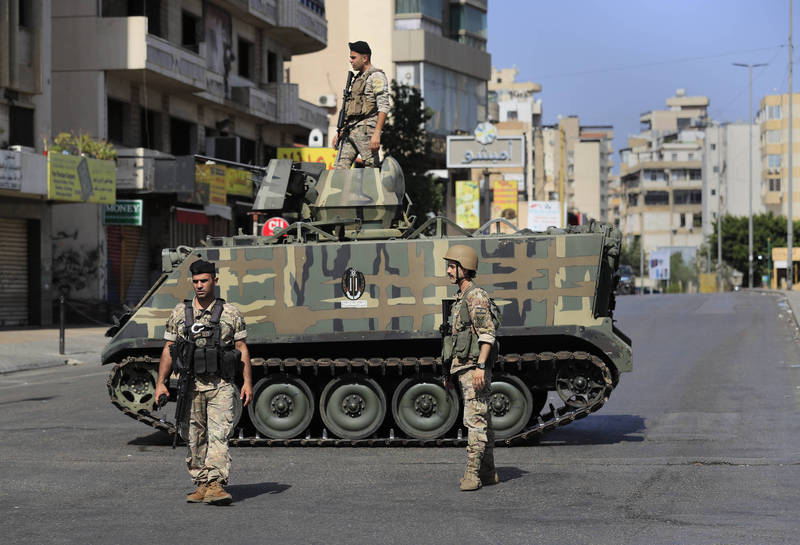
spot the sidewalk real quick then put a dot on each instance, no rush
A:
(33, 348)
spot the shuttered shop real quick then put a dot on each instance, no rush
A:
(14, 272)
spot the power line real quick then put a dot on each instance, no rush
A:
(656, 63)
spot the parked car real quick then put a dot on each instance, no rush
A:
(625, 284)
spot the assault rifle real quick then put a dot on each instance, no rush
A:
(445, 330)
(341, 133)
(180, 364)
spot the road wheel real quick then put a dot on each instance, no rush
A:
(133, 385)
(511, 405)
(352, 406)
(282, 406)
(580, 383)
(423, 408)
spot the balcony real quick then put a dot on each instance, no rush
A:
(293, 111)
(300, 26)
(256, 101)
(122, 44)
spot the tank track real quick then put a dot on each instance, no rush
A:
(555, 418)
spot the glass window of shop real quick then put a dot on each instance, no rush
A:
(429, 8)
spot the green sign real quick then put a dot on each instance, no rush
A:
(124, 212)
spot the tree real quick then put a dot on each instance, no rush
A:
(406, 139)
(680, 273)
(629, 255)
(735, 242)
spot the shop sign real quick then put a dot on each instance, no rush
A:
(210, 185)
(81, 179)
(10, 170)
(124, 212)
(505, 202)
(272, 225)
(544, 214)
(468, 204)
(239, 182)
(310, 155)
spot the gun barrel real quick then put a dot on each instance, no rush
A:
(254, 168)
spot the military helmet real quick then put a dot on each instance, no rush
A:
(464, 255)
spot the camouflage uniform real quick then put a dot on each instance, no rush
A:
(477, 417)
(375, 91)
(211, 417)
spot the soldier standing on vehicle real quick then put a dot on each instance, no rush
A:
(473, 338)
(211, 334)
(365, 111)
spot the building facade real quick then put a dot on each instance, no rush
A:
(163, 80)
(25, 215)
(438, 46)
(773, 123)
(661, 176)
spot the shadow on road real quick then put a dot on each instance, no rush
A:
(509, 473)
(155, 439)
(244, 491)
(45, 398)
(599, 430)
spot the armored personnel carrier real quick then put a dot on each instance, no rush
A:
(343, 309)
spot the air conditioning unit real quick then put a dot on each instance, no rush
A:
(327, 101)
(224, 147)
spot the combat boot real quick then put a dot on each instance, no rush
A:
(198, 495)
(216, 495)
(470, 480)
(487, 472)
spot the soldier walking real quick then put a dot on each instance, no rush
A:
(472, 340)
(365, 111)
(211, 334)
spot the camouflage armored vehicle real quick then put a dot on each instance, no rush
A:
(343, 309)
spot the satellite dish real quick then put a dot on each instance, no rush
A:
(315, 139)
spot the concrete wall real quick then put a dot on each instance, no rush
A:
(587, 179)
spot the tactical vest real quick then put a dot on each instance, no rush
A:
(463, 344)
(210, 356)
(359, 106)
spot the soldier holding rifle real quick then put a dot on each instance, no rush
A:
(206, 346)
(366, 104)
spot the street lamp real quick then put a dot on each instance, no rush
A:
(750, 175)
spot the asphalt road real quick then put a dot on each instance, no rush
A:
(700, 444)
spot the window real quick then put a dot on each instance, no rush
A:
(774, 184)
(695, 174)
(713, 147)
(182, 136)
(678, 175)
(674, 156)
(272, 67)
(511, 115)
(116, 121)
(691, 156)
(773, 112)
(469, 20)
(245, 59)
(697, 220)
(774, 161)
(190, 31)
(24, 13)
(20, 122)
(656, 198)
(247, 150)
(773, 137)
(633, 199)
(149, 8)
(687, 196)
(150, 127)
(430, 8)
(683, 220)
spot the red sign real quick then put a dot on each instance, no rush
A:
(274, 224)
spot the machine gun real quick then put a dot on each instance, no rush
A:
(183, 402)
(341, 131)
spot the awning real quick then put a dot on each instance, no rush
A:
(192, 216)
(218, 210)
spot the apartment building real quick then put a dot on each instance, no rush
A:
(163, 80)
(25, 218)
(773, 160)
(661, 173)
(438, 46)
(726, 161)
(584, 154)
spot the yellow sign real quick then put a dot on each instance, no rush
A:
(239, 182)
(708, 282)
(311, 155)
(210, 184)
(506, 203)
(81, 179)
(468, 202)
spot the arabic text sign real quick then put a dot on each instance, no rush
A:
(10, 170)
(544, 214)
(239, 182)
(210, 181)
(468, 204)
(504, 151)
(311, 155)
(80, 179)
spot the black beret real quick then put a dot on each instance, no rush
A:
(201, 267)
(360, 47)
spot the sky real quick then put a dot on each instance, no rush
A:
(609, 61)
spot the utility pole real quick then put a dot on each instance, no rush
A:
(790, 217)
(750, 176)
(720, 170)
